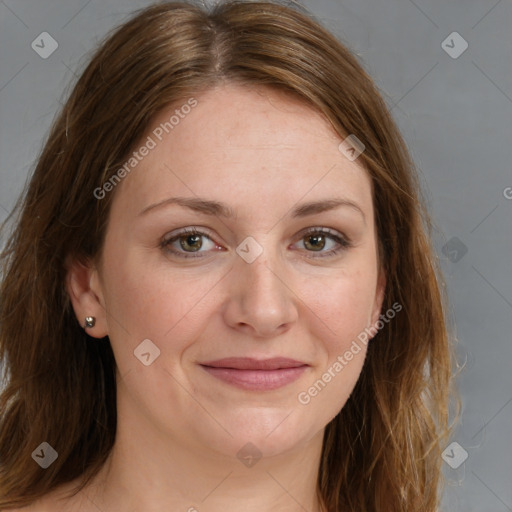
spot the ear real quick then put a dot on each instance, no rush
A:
(85, 292)
(379, 298)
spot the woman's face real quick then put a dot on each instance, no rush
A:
(267, 276)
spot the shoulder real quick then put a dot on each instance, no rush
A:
(41, 505)
(34, 507)
(55, 501)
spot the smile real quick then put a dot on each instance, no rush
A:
(255, 375)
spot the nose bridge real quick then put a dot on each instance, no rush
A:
(259, 296)
(260, 276)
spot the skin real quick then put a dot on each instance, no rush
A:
(261, 153)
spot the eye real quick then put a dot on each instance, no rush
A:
(193, 243)
(319, 239)
(189, 243)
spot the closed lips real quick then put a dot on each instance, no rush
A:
(256, 375)
(245, 363)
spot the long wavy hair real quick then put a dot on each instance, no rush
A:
(382, 451)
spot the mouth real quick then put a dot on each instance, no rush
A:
(256, 375)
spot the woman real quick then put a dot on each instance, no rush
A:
(221, 292)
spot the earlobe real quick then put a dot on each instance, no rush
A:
(84, 290)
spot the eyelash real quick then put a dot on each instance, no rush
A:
(342, 241)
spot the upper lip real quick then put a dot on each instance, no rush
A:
(248, 363)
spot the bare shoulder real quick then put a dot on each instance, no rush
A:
(55, 501)
(28, 508)
(45, 504)
(34, 507)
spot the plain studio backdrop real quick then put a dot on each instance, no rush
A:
(445, 71)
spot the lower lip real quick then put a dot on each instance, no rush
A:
(257, 380)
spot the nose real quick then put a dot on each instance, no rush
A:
(261, 303)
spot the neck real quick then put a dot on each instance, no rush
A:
(149, 470)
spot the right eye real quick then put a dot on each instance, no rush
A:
(188, 243)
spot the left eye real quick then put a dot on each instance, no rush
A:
(315, 240)
(318, 241)
(190, 243)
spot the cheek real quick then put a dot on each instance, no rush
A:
(339, 315)
(148, 299)
(342, 306)
(328, 393)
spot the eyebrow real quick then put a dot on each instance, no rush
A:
(218, 209)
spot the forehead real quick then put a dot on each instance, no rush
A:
(238, 144)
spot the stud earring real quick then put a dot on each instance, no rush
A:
(90, 321)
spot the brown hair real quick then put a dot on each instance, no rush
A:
(382, 451)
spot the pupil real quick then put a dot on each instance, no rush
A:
(318, 242)
(192, 242)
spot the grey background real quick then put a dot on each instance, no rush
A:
(456, 116)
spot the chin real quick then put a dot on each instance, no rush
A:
(271, 432)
